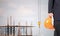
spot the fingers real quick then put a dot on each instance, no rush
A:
(50, 15)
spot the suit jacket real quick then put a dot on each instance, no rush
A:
(54, 7)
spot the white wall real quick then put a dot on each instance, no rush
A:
(26, 10)
(21, 11)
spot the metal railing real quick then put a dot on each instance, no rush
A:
(11, 30)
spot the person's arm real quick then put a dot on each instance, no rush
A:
(50, 6)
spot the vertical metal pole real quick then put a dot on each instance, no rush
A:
(31, 29)
(10, 30)
(10, 25)
(7, 28)
(19, 33)
(26, 28)
(13, 29)
(5, 31)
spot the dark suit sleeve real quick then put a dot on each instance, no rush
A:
(50, 6)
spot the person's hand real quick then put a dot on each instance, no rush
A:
(50, 14)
